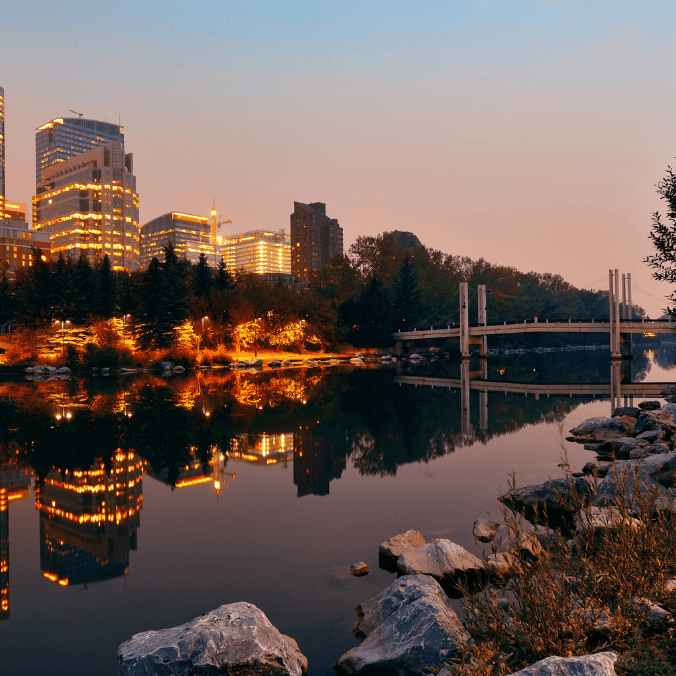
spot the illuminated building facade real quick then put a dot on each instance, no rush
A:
(17, 239)
(264, 449)
(315, 238)
(63, 138)
(315, 463)
(89, 204)
(258, 251)
(15, 482)
(189, 235)
(2, 153)
(89, 520)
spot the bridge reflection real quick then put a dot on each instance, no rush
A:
(620, 390)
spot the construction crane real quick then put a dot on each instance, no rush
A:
(214, 225)
(75, 111)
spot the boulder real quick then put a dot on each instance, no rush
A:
(518, 533)
(442, 559)
(604, 519)
(397, 545)
(484, 530)
(166, 365)
(600, 428)
(553, 497)
(178, 369)
(407, 627)
(359, 569)
(649, 405)
(670, 586)
(235, 638)
(630, 411)
(599, 664)
(651, 473)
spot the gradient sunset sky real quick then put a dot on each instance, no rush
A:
(528, 133)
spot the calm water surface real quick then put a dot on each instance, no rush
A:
(136, 504)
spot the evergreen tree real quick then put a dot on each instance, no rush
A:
(201, 278)
(34, 288)
(63, 296)
(224, 280)
(107, 288)
(406, 301)
(663, 236)
(7, 296)
(369, 318)
(84, 291)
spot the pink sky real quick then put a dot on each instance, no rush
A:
(531, 136)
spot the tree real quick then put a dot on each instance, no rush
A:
(201, 277)
(106, 287)
(663, 236)
(406, 301)
(369, 318)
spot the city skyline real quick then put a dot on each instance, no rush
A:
(531, 134)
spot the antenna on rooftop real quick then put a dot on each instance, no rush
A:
(75, 111)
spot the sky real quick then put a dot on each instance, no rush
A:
(530, 133)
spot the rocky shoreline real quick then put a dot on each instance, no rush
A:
(411, 628)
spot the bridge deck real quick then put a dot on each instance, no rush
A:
(534, 326)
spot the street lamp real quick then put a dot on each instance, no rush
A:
(63, 346)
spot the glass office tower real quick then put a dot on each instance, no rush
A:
(2, 153)
(66, 137)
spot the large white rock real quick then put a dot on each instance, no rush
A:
(441, 559)
(408, 627)
(235, 638)
(600, 664)
(397, 545)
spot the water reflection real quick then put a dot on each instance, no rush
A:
(89, 442)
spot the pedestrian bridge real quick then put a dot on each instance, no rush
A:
(620, 326)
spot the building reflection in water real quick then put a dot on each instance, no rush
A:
(89, 520)
(15, 483)
(315, 463)
(264, 449)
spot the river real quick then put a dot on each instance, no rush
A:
(130, 503)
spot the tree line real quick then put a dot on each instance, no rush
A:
(360, 298)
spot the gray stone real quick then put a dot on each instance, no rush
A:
(178, 369)
(649, 405)
(359, 569)
(602, 428)
(599, 664)
(649, 474)
(235, 638)
(484, 530)
(552, 497)
(397, 545)
(166, 365)
(650, 435)
(670, 586)
(631, 411)
(408, 627)
(442, 559)
(604, 519)
(517, 533)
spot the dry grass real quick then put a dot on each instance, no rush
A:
(580, 594)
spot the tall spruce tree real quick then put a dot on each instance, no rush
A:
(201, 280)
(84, 290)
(371, 316)
(107, 288)
(406, 301)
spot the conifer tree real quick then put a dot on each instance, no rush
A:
(107, 288)
(201, 277)
(224, 280)
(84, 291)
(406, 301)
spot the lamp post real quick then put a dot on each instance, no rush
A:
(63, 345)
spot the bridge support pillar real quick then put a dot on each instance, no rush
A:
(614, 313)
(465, 424)
(464, 320)
(481, 295)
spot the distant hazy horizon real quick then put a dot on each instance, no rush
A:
(529, 133)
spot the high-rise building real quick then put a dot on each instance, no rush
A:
(18, 240)
(259, 251)
(66, 137)
(89, 203)
(2, 153)
(315, 238)
(190, 236)
(256, 251)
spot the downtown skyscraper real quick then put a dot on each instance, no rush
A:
(315, 239)
(65, 137)
(2, 153)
